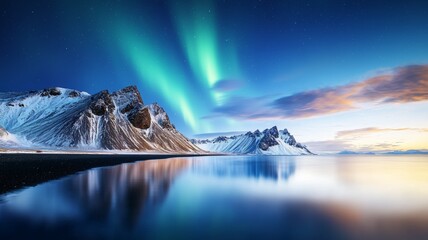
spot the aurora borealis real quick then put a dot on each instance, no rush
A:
(219, 66)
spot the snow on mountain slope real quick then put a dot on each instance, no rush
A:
(65, 118)
(8, 140)
(269, 142)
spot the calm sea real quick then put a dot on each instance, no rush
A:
(229, 197)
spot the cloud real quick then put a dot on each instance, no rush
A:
(226, 85)
(384, 146)
(245, 108)
(311, 103)
(364, 131)
(345, 140)
(404, 84)
(328, 146)
(399, 85)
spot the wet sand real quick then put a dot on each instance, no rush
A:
(18, 170)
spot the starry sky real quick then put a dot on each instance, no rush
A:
(339, 75)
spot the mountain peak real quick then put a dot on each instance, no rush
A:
(130, 88)
(269, 142)
(58, 91)
(274, 131)
(257, 133)
(50, 92)
(130, 91)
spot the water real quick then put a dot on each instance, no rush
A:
(276, 197)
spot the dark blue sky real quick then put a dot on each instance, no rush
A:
(199, 58)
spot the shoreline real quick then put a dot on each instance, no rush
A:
(19, 170)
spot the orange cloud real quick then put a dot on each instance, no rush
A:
(358, 140)
(399, 85)
(364, 131)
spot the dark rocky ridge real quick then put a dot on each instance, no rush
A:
(140, 118)
(50, 92)
(267, 141)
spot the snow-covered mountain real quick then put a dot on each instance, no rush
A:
(65, 118)
(269, 142)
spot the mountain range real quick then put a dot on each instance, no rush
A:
(61, 118)
(64, 119)
(269, 142)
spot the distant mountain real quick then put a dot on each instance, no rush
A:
(408, 152)
(65, 118)
(269, 142)
(347, 152)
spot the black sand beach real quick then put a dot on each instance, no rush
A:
(18, 170)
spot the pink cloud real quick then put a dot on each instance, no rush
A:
(399, 85)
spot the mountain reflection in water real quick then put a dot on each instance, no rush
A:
(132, 188)
(252, 197)
(128, 188)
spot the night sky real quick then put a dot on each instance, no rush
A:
(338, 74)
